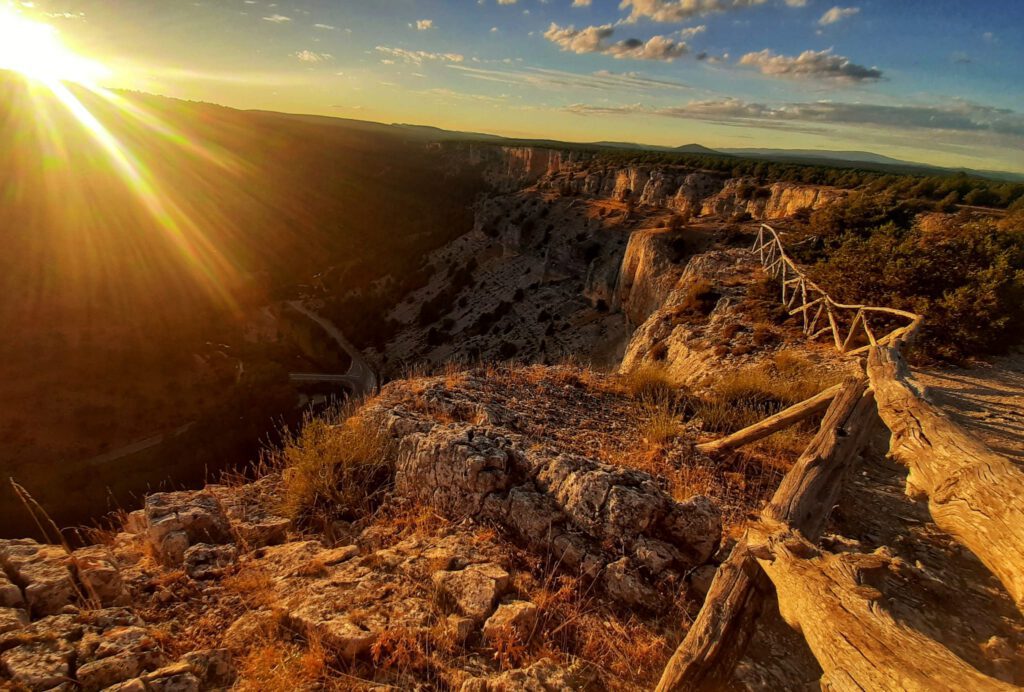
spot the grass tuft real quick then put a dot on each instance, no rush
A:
(337, 467)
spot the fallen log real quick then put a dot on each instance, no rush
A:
(973, 493)
(783, 419)
(859, 645)
(719, 637)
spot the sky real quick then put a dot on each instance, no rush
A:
(935, 81)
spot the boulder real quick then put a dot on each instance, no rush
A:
(177, 677)
(43, 572)
(99, 575)
(12, 619)
(104, 672)
(542, 676)
(205, 561)
(176, 520)
(519, 617)
(10, 594)
(213, 667)
(473, 590)
(40, 665)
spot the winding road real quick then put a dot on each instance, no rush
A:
(360, 378)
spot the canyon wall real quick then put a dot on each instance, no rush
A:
(689, 191)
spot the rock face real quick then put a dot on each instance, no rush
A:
(568, 504)
(686, 190)
(682, 346)
(174, 521)
(651, 266)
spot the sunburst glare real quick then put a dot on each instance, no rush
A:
(36, 51)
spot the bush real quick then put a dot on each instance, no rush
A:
(968, 282)
(337, 467)
(649, 382)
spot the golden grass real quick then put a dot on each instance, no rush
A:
(649, 382)
(338, 466)
(662, 421)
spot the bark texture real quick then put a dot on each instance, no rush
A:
(859, 645)
(723, 629)
(973, 493)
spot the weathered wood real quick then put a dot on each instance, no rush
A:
(719, 637)
(858, 643)
(779, 265)
(783, 419)
(973, 493)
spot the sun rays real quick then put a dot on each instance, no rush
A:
(35, 51)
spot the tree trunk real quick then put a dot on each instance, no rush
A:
(859, 645)
(719, 637)
(973, 493)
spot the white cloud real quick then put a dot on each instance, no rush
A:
(588, 40)
(325, 27)
(810, 64)
(311, 57)
(424, 24)
(416, 57)
(958, 116)
(691, 31)
(680, 10)
(837, 14)
(277, 19)
(592, 39)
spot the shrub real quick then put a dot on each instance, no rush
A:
(337, 467)
(661, 421)
(649, 382)
(968, 282)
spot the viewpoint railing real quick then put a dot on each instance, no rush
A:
(823, 315)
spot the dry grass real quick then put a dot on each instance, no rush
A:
(662, 421)
(337, 467)
(649, 382)
(253, 586)
(744, 397)
(700, 299)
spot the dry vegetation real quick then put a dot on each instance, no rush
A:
(337, 467)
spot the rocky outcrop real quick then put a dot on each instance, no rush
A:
(175, 521)
(651, 266)
(109, 648)
(561, 503)
(775, 201)
(689, 191)
(680, 343)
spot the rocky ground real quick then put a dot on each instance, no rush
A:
(491, 527)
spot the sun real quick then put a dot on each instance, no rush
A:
(35, 50)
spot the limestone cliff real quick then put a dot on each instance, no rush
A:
(689, 191)
(650, 268)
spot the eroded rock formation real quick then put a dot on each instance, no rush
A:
(603, 521)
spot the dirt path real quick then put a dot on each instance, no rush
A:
(987, 399)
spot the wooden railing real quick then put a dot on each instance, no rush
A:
(821, 314)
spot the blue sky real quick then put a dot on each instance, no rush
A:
(934, 81)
